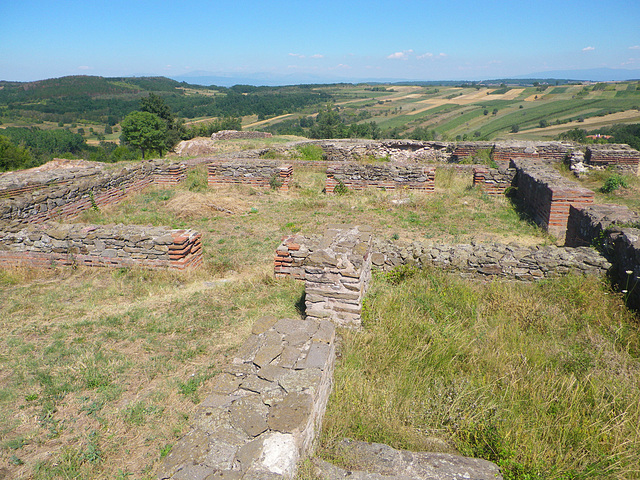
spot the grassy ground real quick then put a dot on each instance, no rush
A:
(540, 378)
(100, 369)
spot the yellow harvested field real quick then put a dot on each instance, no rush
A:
(511, 94)
(262, 122)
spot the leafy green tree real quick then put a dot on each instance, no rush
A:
(144, 130)
(13, 157)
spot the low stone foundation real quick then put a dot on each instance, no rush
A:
(482, 260)
(588, 225)
(50, 245)
(493, 181)
(264, 409)
(619, 155)
(547, 196)
(492, 259)
(171, 175)
(238, 135)
(254, 173)
(356, 176)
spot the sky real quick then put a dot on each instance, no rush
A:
(331, 40)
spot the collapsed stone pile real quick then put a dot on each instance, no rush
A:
(264, 408)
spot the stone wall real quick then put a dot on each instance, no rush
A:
(588, 225)
(511, 261)
(171, 175)
(463, 150)
(493, 181)
(547, 196)
(57, 172)
(48, 244)
(65, 194)
(506, 151)
(618, 155)
(264, 408)
(492, 259)
(622, 245)
(337, 274)
(403, 151)
(236, 135)
(357, 176)
(252, 172)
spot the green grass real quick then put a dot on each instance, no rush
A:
(539, 378)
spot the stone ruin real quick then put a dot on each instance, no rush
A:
(238, 135)
(265, 407)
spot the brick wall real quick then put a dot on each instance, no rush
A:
(391, 176)
(547, 196)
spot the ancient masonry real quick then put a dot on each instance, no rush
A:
(45, 245)
(621, 156)
(337, 275)
(265, 407)
(547, 196)
(32, 199)
(493, 181)
(254, 173)
(389, 176)
(238, 135)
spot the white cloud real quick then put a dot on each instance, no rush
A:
(431, 56)
(588, 49)
(317, 55)
(404, 55)
(635, 47)
(297, 55)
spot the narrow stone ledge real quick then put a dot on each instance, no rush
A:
(265, 407)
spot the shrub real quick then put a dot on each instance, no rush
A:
(614, 182)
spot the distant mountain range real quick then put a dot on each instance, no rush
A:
(271, 79)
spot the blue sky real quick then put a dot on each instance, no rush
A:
(331, 40)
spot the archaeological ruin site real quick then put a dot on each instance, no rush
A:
(264, 412)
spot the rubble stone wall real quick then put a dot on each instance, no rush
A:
(622, 245)
(47, 244)
(337, 274)
(588, 225)
(255, 173)
(476, 259)
(493, 181)
(265, 407)
(547, 196)
(66, 194)
(619, 155)
(236, 134)
(357, 176)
